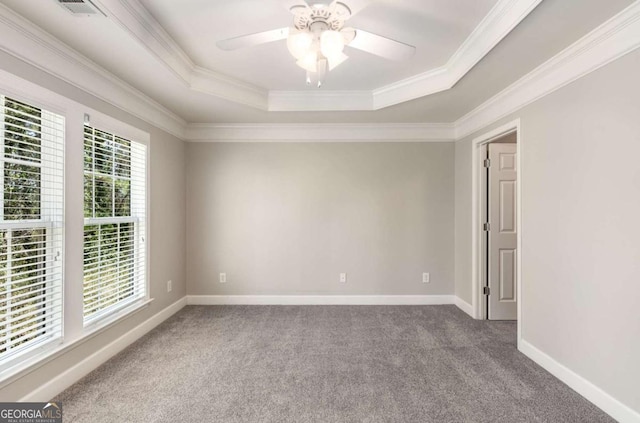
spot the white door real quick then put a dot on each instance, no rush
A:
(502, 232)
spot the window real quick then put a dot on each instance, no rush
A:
(42, 313)
(31, 219)
(114, 224)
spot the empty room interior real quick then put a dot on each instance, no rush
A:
(320, 210)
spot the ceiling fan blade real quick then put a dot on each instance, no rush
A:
(381, 46)
(253, 39)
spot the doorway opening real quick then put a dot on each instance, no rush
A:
(499, 227)
(496, 160)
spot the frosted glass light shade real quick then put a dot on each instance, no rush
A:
(331, 44)
(309, 62)
(299, 43)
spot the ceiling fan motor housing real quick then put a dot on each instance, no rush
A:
(323, 18)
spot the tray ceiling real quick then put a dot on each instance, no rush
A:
(437, 28)
(166, 49)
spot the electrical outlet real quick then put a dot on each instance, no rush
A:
(223, 278)
(343, 277)
(426, 278)
(169, 286)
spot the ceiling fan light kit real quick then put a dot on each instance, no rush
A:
(318, 38)
(299, 43)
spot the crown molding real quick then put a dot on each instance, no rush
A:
(502, 18)
(142, 26)
(212, 83)
(609, 41)
(27, 42)
(303, 132)
(135, 19)
(283, 101)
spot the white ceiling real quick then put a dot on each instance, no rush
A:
(437, 28)
(120, 47)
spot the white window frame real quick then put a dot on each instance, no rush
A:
(116, 128)
(51, 222)
(74, 332)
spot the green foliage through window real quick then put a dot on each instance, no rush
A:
(111, 258)
(30, 276)
(107, 166)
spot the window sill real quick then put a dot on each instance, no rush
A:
(109, 320)
(13, 373)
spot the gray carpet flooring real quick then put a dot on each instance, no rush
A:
(324, 364)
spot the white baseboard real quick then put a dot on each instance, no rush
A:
(591, 392)
(464, 306)
(320, 299)
(70, 376)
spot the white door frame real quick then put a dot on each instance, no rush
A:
(476, 216)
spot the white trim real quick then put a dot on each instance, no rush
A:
(119, 128)
(582, 386)
(286, 101)
(132, 17)
(432, 132)
(213, 83)
(611, 40)
(463, 305)
(70, 376)
(48, 354)
(111, 319)
(143, 27)
(502, 18)
(476, 213)
(14, 85)
(320, 299)
(26, 41)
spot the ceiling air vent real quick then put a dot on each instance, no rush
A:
(81, 7)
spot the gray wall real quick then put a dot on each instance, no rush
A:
(581, 226)
(287, 218)
(167, 227)
(463, 207)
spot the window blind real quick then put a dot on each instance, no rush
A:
(31, 227)
(114, 230)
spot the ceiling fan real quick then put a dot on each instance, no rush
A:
(318, 37)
